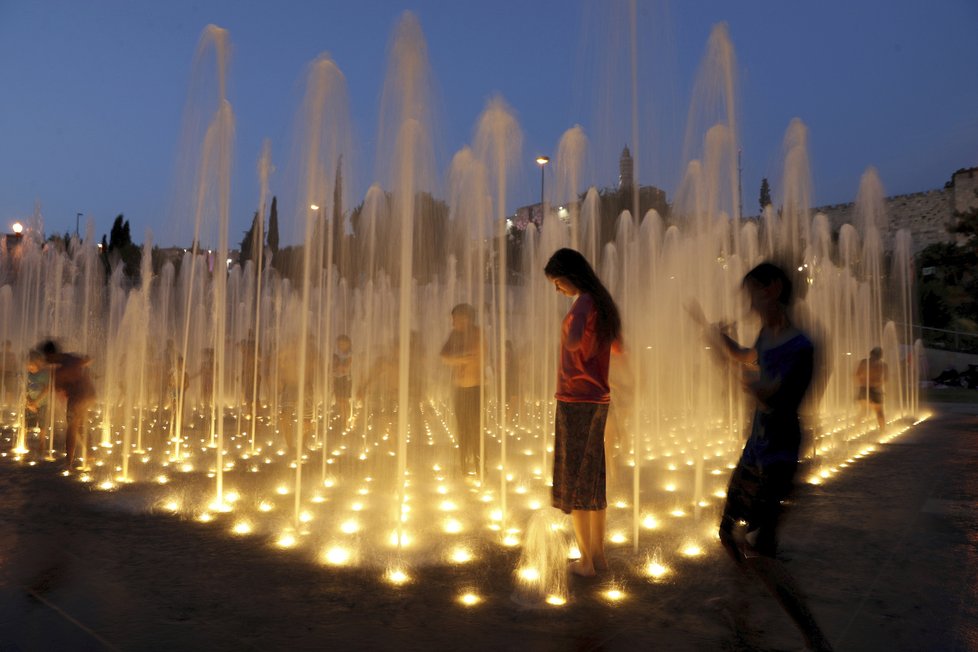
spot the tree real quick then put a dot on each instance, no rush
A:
(765, 198)
(249, 243)
(273, 226)
(120, 247)
(119, 236)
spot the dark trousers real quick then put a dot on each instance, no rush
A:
(467, 417)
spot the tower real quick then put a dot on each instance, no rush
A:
(625, 170)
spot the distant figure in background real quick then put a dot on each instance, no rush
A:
(463, 353)
(342, 369)
(869, 377)
(764, 476)
(250, 373)
(72, 380)
(589, 332)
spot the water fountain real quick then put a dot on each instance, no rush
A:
(253, 443)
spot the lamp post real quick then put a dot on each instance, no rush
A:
(77, 217)
(542, 162)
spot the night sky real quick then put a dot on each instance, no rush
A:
(92, 92)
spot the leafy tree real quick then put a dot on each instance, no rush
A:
(765, 198)
(272, 237)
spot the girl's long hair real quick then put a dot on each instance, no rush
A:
(571, 265)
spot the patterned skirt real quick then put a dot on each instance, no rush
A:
(579, 469)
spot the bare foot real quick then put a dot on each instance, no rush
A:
(579, 569)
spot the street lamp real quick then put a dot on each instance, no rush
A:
(17, 228)
(542, 162)
(77, 217)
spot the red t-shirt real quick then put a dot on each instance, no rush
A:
(582, 376)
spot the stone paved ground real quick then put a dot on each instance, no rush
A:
(887, 553)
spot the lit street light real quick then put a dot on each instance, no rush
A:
(17, 228)
(542, 162)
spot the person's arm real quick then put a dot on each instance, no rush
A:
(731, 346)
(718, 334)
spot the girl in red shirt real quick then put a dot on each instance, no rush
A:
(590, 330)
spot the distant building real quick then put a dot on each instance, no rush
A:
(612, 201)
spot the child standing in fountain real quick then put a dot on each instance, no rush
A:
(342, 377)
(869, 377)
(71, 378)
(590, 330)
(463, 353)
(764, 476)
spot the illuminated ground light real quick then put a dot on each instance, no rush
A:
(350, 526)
(512, 538)
(469, 599)
(452, 526)
(282, 490)
(618, 537)
(397, 576)
(337, 556)
(656, 570)
(460, 555)
(265, 506)
(447, 506)
(206, 517)
(242, 527)
(286, 540)
(220, 506)
(692, 550)
(650, 522)
(171, 506)
(678, 512)
(613, 594)
(107, 485)
(556, 600)
(399, 539)
(162, 479)
(528, 574)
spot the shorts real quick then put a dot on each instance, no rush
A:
(342, 387)
(873, 395)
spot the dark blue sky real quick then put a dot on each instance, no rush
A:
(91, 93)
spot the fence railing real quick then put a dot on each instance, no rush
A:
(939, 338)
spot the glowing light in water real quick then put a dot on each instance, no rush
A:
(460, 555)
(529, 574)
(556, 600)
(614, 594)
(650, 522)
(469, 599)
(286, 540)
(397, 576)
(337, 556)
(242, 527)
(692, 550)
(350, 526)
(655, 570)
(452, 526)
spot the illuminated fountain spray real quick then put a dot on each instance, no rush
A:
(388, 273)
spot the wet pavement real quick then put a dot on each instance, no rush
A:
(887, 554)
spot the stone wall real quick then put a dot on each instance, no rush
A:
(926, 214)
